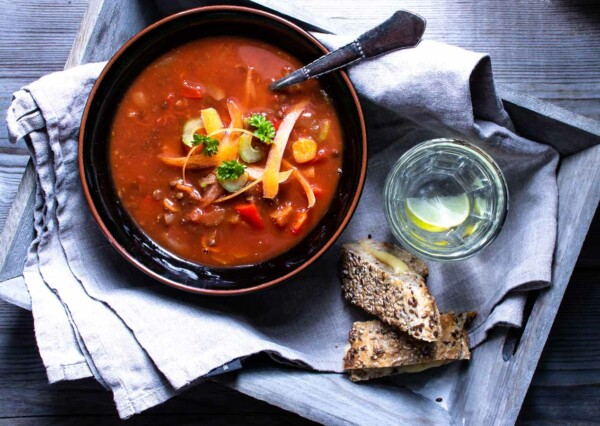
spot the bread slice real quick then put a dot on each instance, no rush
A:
(394, 291)
(377, 350)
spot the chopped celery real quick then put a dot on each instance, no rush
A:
(189, 129)
(247, 152)
(236, 184)
(324, 128)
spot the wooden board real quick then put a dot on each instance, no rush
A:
(535, 63)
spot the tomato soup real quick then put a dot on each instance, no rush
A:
(214, 166)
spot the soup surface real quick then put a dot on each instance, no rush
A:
(215, 167)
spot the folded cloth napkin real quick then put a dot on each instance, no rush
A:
(96, 315)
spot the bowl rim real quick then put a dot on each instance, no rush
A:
(206, 291)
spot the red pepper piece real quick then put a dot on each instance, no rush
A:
(192, 90)
(299, 221)
(317, 190)
(250, 214)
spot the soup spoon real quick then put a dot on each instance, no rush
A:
(402, 30)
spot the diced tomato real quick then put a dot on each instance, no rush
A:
(250, 214)
(299, 221)
(317, 190)
(192, 90)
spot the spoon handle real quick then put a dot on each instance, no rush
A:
(402, 30)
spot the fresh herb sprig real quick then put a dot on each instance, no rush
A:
(265, 130)
(211, 145)
(230, 170)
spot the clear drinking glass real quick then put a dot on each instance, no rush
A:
(445, 199)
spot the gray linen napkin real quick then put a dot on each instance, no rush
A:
(97, 315)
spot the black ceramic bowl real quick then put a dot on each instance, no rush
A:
(120, 228)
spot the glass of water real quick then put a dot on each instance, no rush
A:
(445, 199)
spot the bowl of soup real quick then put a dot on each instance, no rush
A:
(203, 177)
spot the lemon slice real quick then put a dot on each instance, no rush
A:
(438, 214)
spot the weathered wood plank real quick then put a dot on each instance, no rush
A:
(43, 31)
(572, 353)
(349, 404)
(506, 381)
(561, 405)
(12, 225)
(590, 258)
(11, 172)
(543, 49)
(116, 23)
(566, 131)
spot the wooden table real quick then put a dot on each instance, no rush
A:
(550, 50)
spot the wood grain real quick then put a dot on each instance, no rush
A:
(11, 172)
(44, 30)
(565, 387)
(544, 49)
(539, 54)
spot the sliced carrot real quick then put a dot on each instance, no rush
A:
(255, 172)
(299, 221)
(309, 172)
(235, 113)
(310, 195)
(304, 150)
(250, 87)
(283, 176)
(170, 205)
(228, 148)
(273, 165)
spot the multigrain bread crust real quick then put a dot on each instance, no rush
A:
(400, 300)
(377, 350)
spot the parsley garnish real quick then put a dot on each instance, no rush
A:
(230, 170)
(265, 131)
(211, 145)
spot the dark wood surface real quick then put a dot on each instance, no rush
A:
(547, 49)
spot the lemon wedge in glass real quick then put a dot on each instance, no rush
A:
(438, 214)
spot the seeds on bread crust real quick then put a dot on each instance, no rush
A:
(377, 350)
(398, 299)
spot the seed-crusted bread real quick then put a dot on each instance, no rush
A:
(377, 350)
(398, 298)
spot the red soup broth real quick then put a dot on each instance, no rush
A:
(182, 216)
